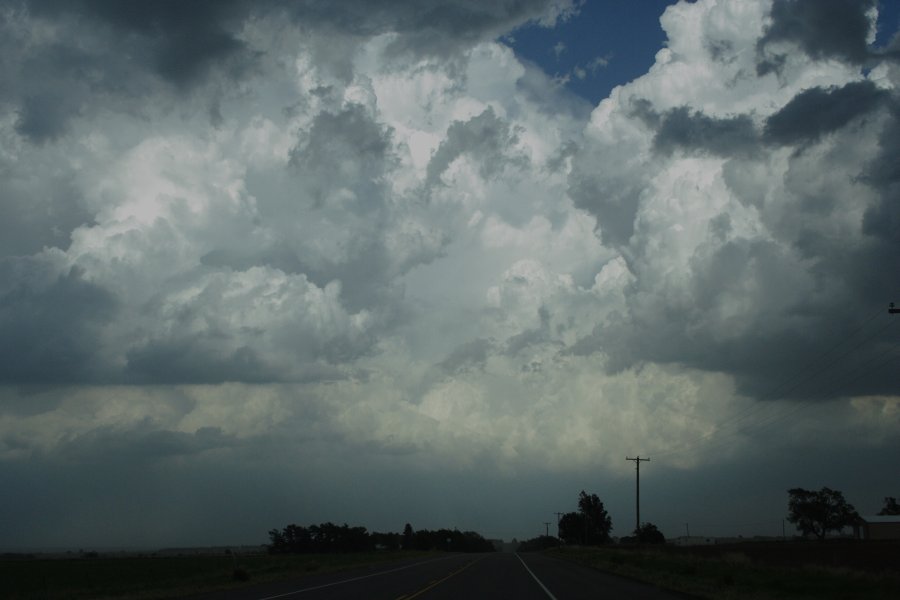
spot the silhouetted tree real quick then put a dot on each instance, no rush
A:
(572, 529)
(590, 525)
(536, 544)
(330, 538)
(818, 512)
(409, 540)
(597, 521)
(890, 507)
(649, 534)
(452, 541)
(324, 538)
(292, 539)
(386, 541)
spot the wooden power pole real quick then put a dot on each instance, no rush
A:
(637, 496)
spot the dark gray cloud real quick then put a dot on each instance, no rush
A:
(822, 28)
(44, 117)
(346, 149)
(50, 323)
(530, 337)
(485, 137)
(882, 221)
(196, 359)
(885, 169)
(111, 55)
(613, 196)
(341, 166)
(180, 41)
(816, 112)
(39, 206)
(142, 442)
(429, 27)
(471, 355)
(613, 193)
(104, 52)
(694, 132)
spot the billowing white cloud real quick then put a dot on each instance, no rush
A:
(739, 199)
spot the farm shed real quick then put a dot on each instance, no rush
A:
(880, 527)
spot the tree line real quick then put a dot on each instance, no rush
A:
(814, 512)
(328, 538)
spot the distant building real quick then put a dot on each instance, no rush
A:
(699, 540)
(880, 527)
(694, 540)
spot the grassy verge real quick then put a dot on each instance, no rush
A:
(148, 578)
(735, 576)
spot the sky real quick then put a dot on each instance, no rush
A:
(443, 263)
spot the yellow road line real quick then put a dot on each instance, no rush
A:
(434, 584)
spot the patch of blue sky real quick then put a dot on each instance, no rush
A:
(888, 22)
(607, 43)
(612, 42)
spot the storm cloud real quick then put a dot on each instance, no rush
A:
(296, 246)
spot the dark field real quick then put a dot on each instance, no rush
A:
(162, 577)
(828, 570)
(870, 556)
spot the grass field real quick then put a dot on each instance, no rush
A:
(755, 571)
(151, 577)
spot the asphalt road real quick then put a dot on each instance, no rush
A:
(467, 576)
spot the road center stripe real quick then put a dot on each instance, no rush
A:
(440, 581)
(530, 572)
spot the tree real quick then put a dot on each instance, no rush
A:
(589, 526)
(572, 529)
(597, 521)
(537, 544)
(649, 534)
(331, 538)
(385, 541)
(818, 512)
(890, 507)
(408, 542)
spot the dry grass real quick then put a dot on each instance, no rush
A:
(734, 574)
(149, 578)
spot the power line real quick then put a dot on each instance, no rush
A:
(778, 416)
(789, 385)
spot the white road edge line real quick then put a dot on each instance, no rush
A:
(342, 581)
(530, 572)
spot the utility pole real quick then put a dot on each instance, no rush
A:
(547, 528)
(558, 537)
(637, 496)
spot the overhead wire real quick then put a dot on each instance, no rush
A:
(738, 424)
(758, 407)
